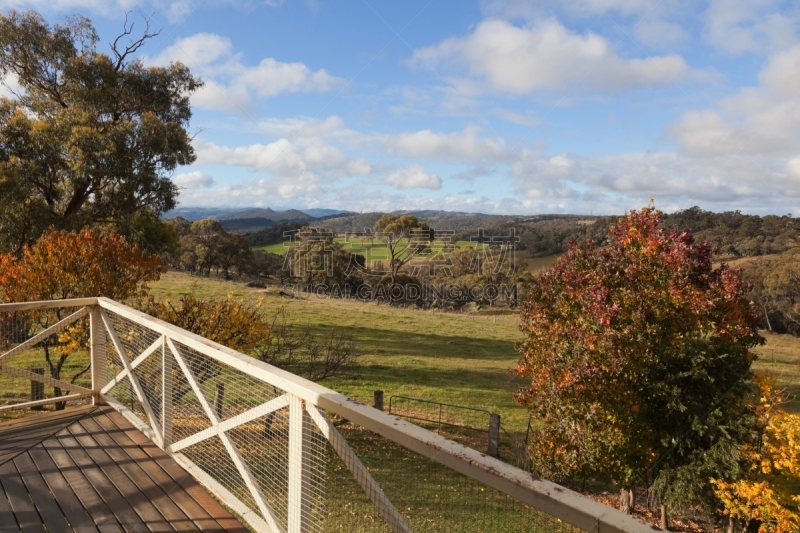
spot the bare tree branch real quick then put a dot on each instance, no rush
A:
(134, 45)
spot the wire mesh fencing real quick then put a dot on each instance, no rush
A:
(285, 454)
(429, 495)
(44, 359)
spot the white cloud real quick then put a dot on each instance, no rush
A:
(193, 180)
(548, 56)
(414, 177)
(294, 170)
(672, 178)
(758, 120)
(659, 33)
(460, 146)
(465, 145)
(304, 130)
(738, 26)
(230, 84)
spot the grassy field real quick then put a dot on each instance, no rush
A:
(535, 265)
(780, 357)
(454, 358)
(375, 250)
(449, 357)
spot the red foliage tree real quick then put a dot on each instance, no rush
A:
(637, 355)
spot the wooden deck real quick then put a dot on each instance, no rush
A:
(88, 469)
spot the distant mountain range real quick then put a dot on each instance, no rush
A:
(228, 213)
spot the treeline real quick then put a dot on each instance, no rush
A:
(411, 272)
(273, 234)
(732, 233)
(776, 290)
(204, 248)
(736, 234)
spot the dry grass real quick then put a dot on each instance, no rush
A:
(780, 358)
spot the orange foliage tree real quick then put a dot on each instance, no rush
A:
(769, 490)
(65, 264)
(637, 356)
(72, 265)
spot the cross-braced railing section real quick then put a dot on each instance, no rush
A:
(286, 454)
(44, 355)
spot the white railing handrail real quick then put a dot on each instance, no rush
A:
(560, 502)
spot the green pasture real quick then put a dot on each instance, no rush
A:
(449, 357)
(372, 248)
(456, 358)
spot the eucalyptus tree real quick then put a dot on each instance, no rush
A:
(88, 138)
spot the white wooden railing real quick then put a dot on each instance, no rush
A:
(257, 436)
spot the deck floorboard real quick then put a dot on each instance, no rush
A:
(90, 470)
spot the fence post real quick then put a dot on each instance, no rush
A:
(218, 399)
(37, 389)
(166, 400)
(97, 355)
(298, 505)
(379, 400)
(494, 435)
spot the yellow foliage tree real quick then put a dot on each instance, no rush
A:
(769, 491)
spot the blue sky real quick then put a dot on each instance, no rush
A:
(494, 106)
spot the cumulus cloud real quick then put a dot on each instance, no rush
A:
(738, 26)
(294, 170)
(414, 177)
(547, 56)
(461, 145)
(193, 180)
(758, 120)
(230, 84)
(465, 145)
(672, 178)
(304, 130)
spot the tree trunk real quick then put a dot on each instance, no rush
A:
(664, 521)
(752, 526)
(268, 433)
(731, 525)
(766, 317)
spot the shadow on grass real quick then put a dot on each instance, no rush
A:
(375, 341)
(395, 376)
(793, 406)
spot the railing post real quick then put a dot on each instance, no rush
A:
(97, 354)
(166, 390)
(298, 505)
(494, 435)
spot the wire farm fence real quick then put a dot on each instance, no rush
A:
(284, 453)
(467, 425)
(470, 426)
(439, 413)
